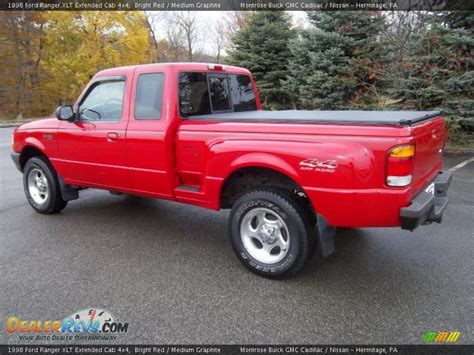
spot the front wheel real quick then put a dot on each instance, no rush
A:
(41, 186)
(270, 232)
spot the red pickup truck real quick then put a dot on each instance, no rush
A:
(195, 133)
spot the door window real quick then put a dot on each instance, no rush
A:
(104, 101)
(148, 100)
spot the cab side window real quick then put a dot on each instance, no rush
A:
(104, 101)
(193, 94)
(149, 96)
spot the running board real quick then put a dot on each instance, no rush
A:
(190, 194)
(190, 188)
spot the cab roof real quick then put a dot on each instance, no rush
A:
(180, 66)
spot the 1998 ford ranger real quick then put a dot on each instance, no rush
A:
(196, 133)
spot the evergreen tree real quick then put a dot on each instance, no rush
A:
(438, 67)
(457, 19)
(437, 72)
(337, 63)
(262, 47)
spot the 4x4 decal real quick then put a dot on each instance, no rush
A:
(319, 165)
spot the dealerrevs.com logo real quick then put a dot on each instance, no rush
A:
(87, 324)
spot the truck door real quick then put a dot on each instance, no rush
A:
(150, 141)
(92, 149)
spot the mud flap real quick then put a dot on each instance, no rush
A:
(68, 193)
(326, 234)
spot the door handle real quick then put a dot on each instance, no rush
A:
(112, 136)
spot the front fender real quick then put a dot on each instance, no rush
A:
(25, 142)
(35, 143)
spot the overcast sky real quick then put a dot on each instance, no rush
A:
(208, 21)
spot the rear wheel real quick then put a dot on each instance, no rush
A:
(41, 186)
(271, 232)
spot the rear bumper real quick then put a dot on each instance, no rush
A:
(427, 207)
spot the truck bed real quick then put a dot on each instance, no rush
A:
(384, 118)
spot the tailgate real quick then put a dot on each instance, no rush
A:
(429, 143)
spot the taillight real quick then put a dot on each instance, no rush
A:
(400, 163)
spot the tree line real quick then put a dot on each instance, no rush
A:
(364, 60)
(336, 60)
(46, 58)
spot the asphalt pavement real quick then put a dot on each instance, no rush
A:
(169, 271)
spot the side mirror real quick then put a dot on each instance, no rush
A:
(65, 113)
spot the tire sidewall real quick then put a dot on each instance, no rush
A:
(48, 205)
(292, 220)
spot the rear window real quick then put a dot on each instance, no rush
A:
(205, 93)
(219, 89)
(241, 92)
(193, 94)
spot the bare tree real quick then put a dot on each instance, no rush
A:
(219, 36)
(22, 46)
(187, 23)
(175, 38)
(236, 21)
(152, 19)
(400, 27)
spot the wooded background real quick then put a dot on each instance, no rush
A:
(336, 60)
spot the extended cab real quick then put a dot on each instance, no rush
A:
(195, 133)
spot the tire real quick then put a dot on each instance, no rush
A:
(271, 232)
(41, 185)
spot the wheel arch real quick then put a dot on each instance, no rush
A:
(29, 151)
(68, 193)
(249, 176)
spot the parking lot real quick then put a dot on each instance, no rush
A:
(169, 271)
